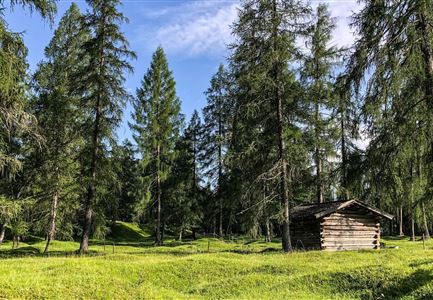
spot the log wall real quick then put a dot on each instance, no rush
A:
(350, 229)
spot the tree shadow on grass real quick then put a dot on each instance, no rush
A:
(19, 252)
(375, 282)
(30, 251)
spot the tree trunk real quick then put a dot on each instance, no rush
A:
(267, 231)
(400, 223)
(412, 208)
(284, 197)
(220, 174)
(52, 222)
(84, 245)
(412, 231)
(2, 233)
(180, 234)
(317, 156)
(424, 217)
(158, 240)
(343, 148)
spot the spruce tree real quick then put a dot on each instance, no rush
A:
(156, 129)
(100, 80)
(216, 131)
(57, 114)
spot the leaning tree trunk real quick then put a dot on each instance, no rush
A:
(180, 233)
(52, 224)
(2, 233)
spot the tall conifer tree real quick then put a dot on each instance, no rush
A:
(217, 121)
(394, 51)
(266, 91)
(156, 128)
(106, 55)
(317, 74)
(57, 113)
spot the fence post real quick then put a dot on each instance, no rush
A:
(208, 246)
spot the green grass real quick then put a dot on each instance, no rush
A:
(238, 269)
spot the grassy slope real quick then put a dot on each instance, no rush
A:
(233, 270)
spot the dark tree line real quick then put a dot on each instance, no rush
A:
(283, 124)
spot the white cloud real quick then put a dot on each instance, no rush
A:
(196, 28)
(203, 27)
(342, 11)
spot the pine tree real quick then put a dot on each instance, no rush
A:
(217, 121)
(319, 64)
(265, 99)
(100, 81)
(156, 129)
(57, 114)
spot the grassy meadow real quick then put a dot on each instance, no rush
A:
(230, 269)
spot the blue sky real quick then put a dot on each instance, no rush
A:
(194, 35)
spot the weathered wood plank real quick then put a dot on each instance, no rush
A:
(349, 228)
(348, 223)
(352, 215)
(345, 240)
(349, 233)
(349, 248)
(331, 244)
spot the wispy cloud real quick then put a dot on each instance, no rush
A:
(202, 28)
(192, 29)
(342, 11)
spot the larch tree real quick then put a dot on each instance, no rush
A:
(394, 53)
(317, 74)
(156, 120)
(13, 71)
(56, 109)
(216, 132)
(15, 121)
(266, 93)
(346, 120)
(100, 80)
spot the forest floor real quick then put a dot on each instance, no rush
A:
(230, 269)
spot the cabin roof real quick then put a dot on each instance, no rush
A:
(320, 210)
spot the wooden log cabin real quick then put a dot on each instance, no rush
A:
(339, 225)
